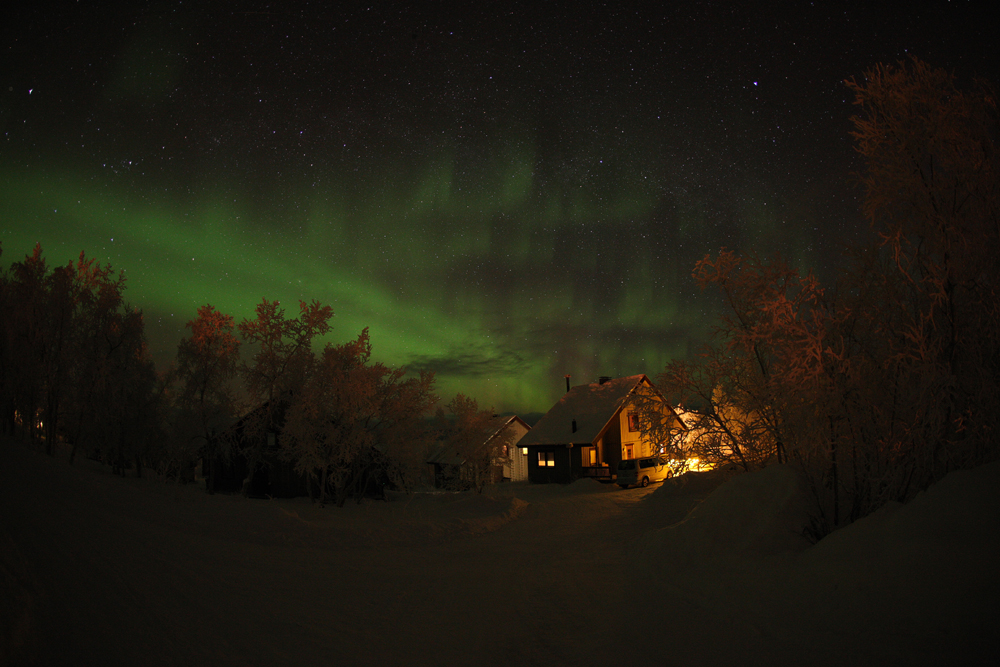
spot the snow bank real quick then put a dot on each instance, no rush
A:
(959, 512)
(697, 482)
(923, 574)
(755, 514)
(926, 570)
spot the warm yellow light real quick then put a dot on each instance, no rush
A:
(690, 465)
(697, 465)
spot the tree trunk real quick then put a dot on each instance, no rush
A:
(836, 480)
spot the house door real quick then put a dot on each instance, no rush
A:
(628, 451)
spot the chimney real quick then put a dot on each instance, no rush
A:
(574, 426)
(567, 383)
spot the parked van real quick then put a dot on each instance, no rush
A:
(642, 471)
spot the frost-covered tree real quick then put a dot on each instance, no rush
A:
(279, 366)
(878, 386)
(473, 439)
(207, 363)
(932, 192)
(720, 426)
(356, 423)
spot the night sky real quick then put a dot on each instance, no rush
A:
(505, 193)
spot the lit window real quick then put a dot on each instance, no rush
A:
(546, 459)
(633, 421)
(524, 451)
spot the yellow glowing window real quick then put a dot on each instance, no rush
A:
(633, 421)
(546, 459)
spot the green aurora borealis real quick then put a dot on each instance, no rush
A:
(443, 280)
(503, 206)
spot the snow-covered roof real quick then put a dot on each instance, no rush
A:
(447, 455)
(591, 406)
(514, 419)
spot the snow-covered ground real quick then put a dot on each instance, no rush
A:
(96, 569)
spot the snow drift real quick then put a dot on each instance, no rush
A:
(923, 573)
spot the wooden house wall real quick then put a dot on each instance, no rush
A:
(611, 447)
(518, 465)
(561, 472)
(640, 446)
(517, 469)
(629, 437)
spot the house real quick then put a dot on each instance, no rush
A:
(591, 429)
(515, 465)
(448, 465)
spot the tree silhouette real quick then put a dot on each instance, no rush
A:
(71, 349)
(207, 362)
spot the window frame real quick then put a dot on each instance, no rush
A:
(633, 422)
